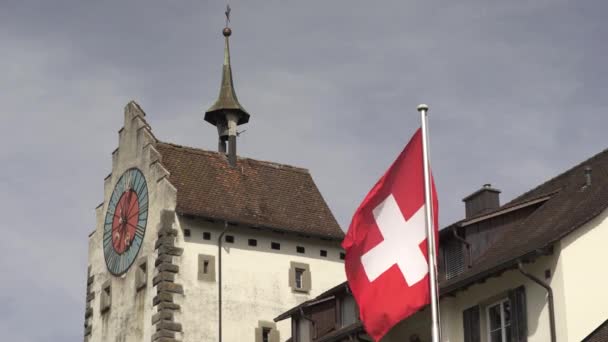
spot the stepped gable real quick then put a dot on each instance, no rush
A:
(571, 205)
(255, 193)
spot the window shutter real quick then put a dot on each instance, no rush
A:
(453, 258)
(470, 318)
(274, 336)
(519, 319)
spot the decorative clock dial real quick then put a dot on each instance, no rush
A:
(126, 220)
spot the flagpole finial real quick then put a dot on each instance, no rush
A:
(423, 107)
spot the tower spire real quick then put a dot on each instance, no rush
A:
(227, 113)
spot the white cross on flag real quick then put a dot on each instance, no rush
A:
(386, 253)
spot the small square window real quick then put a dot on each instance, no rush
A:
(275, 245)
(342, 255)
(323, 253)
(299, 277)
(229, 238)
(252, 242)
(206, 267)
(187, 232)
(300, 249)
(206, 236)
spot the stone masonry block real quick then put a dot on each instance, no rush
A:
(167, 232)
(167, 217)
(165, 286)
(168, 268)
(163, 276)
(166, 315)
(163, 259)
(168, 241)
(162, 297)
(167, 325)
(170, 250)
(168, 306)
(163, 333)
(167, 339)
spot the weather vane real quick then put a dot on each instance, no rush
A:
(227, 14)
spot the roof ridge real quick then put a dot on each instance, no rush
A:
(563, 174)
(257, 161)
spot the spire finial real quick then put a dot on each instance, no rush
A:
(227, 31)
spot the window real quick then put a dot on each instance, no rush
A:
(106, 296)
(506, 319)
(206, 236)
(206, 267)
(323, 253)
(229, 238)
(498, 318)
(187, 232)
(275, 245)
(141, 277)
(342, 256)
(266, 334)
(300, 249)
(299, 276)
(252, 242)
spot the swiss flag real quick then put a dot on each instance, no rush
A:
(386, 245)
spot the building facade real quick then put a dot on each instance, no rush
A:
(195, 245)
(529, 270)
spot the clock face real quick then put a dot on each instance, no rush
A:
(126, 220)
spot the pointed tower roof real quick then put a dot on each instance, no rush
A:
(227, 100)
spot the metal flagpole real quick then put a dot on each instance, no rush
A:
(430, 231)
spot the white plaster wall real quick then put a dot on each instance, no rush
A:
(129, 318)
(255, 280)
(584, 296)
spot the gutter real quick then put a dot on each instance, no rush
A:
(219, 283)
(312, 323)
(549, 297)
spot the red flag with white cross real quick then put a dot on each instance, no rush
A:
(386, 245)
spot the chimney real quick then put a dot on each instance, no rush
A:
(588, 176)
(482, 200)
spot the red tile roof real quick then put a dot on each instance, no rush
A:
(255, 193)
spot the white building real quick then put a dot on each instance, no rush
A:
(530, 270)
(193, 245)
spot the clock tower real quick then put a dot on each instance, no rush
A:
(197, 245)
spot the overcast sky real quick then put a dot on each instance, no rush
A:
(517, 91)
